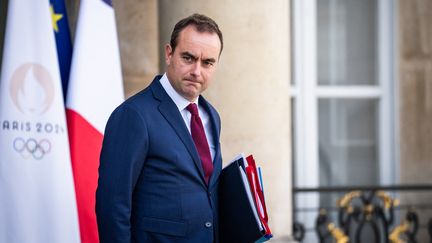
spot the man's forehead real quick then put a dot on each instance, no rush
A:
(191, 36)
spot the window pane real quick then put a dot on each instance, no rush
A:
(348, 142)
(347, 42)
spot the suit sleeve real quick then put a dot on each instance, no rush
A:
(124, 151)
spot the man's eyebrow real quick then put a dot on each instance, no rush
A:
(186, 53)
(212, 60)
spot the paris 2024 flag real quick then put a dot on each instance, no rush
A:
(37, 198)
(95, 89)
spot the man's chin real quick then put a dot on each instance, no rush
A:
(191, 94)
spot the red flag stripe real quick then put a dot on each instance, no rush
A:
(85, 145)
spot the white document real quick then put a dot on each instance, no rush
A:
(247, 187)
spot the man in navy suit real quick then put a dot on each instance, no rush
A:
(161, 159)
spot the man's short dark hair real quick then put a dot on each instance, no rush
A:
(202, 24)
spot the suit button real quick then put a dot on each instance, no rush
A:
(208, 224)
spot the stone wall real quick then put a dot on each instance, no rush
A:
(415, 101)
(415, 90)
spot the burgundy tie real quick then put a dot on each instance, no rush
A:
(200, 140)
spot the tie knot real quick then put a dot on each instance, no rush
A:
(193, 109)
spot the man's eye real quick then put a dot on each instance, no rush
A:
(187, 58)
(208, 64)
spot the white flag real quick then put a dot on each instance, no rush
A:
(95, 89)
(37, 199)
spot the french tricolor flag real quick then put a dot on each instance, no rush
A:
(95, 89)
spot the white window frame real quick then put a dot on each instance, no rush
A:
(306, 93)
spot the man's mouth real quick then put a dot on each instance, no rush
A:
(192, 80)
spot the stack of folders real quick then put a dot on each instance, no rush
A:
(242, 209)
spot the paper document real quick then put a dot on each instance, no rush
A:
(251, 200)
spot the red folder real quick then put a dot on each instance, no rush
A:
(257, 193)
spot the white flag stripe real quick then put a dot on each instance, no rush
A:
(96, 66)
(95, 89)
(37, 199)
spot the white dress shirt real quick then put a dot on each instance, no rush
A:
(181, 104)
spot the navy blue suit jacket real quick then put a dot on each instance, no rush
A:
(151, 182)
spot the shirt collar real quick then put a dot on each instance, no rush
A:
(179, 100)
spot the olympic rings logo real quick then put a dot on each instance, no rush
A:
(31, 147)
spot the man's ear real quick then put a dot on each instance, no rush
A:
(168, 53)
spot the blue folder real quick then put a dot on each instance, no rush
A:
(237, 219)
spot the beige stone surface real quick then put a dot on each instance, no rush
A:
(416, 91)
(72, 9)
(415, 74)
(251, 89)
(137, 27)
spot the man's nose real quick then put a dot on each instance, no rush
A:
(196, 69)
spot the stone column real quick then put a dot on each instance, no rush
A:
(137, 28)
(415, 69)
(415, 109)
(251, 89)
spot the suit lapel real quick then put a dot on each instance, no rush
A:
(171, 113)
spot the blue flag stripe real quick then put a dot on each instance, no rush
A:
(109, 2)
(63, 42)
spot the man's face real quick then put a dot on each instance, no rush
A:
(191, 66)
